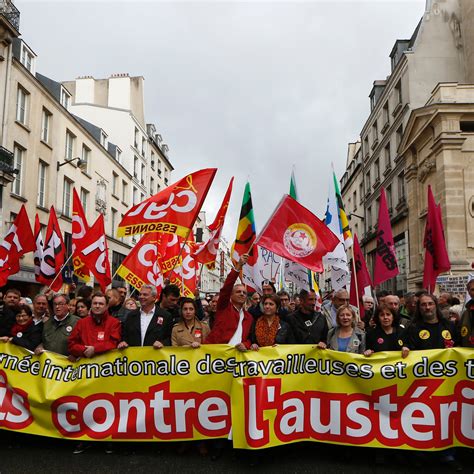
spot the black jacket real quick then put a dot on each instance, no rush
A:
(308, 328)
(7, 321)
(31, 338)
(159, 329)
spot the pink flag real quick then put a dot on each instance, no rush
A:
(436, 255)
(386, 266)
(362, 277)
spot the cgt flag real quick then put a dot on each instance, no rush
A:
(18, 241)
(53, 255)
(436, 255)
(173, 210)
(386, 265)
(94, 253)
(38, 253)
(206, 252)
(79, 229)
(140, 267)
(293, 232)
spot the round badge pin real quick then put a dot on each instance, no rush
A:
(380, 340)
(424, 334)
(68, 328)
(19, 334)
(446, 335)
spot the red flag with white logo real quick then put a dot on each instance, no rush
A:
(18, 241)
(173, 210)
(386, 265)
(362, 277)
(169, 252)
(53, 254)
(295, 233)
(79, 229)
(206, 252)
(436, 254)
(93, 251)
(184, 274)
(140, 267)
(38, 253)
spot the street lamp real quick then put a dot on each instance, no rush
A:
(80, 163)
(362, 218)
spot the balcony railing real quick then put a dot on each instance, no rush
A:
(11, 13)
(6, 160)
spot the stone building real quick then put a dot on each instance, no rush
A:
(434, 54)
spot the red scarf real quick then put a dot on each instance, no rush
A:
(20, 327)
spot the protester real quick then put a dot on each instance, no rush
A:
(346, 336)
(25, 332)
(454, 315)
(7, 315)
(82, 307)
(168, 303)
(40, 308)
(148, 326)
(72, 305)
(130, 304)
(269, 329)
(308, 326)
(232, 323)
(57, 329)
(467, 319)
(387, 333)
(190, 331)
(444, 303)
(340, 298)
(84, 291)
(116, 308)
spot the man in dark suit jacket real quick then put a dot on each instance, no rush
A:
(148, 326)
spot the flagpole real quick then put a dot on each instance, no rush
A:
(60, 271)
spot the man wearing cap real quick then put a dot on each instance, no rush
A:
(57, 329)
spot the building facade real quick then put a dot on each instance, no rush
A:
(434, 54)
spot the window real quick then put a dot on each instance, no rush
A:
(135, 196)
(69, 151)
(398, 93)
(45, 125)
(367, 181)
(143, 146)
(18, 157)
(399, 135)
(361, 192)
(84, 199)
(115, 183)
(65, 98)
(375, 132)
(67, 192)
(86, 156)
(136, 137)
(41, 200)
(377, 170)
(124, 191)
(152, 160)
(152, 185)
(354, 199)
(159, 166)
(113, 221)
(366, 145)
(143, 174)
(401, 187)
(135, 167)
(389, 197)
(385, 113)
(103, 139)
(369, 217)
(26, 58)
(388, 163)
(21, 105)
(118, 154)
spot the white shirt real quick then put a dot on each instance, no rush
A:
(237, 337)
(145, 319)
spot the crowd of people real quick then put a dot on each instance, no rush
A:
(93, 323)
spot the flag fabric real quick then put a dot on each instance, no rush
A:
(184, 275)
(386, 265)
(293, 232)
(343, 220)
(140, 267)
(244, 243)
(53, 254)
(436, 254)
(337, 259)
(39, 244)
(18, 241)
(206, 252)
(169, 252)
(173, 210)
(93, 251)
(361, 277)
(79, 230)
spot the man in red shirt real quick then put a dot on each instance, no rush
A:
(97, 333)
(232, 322)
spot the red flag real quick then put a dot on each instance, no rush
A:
(173, 210)
(293, 232)
(362, 277)
(206, 252)
(18, 241)
(184, 274)
(53, 254)
(386, 265)
(169, 252)
(38, 254)
(94, 253)
(140, 267)
(436, 254)
(79, 229)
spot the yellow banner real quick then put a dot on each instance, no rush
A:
(277, 395)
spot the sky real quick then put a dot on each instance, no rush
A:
(254, 89)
